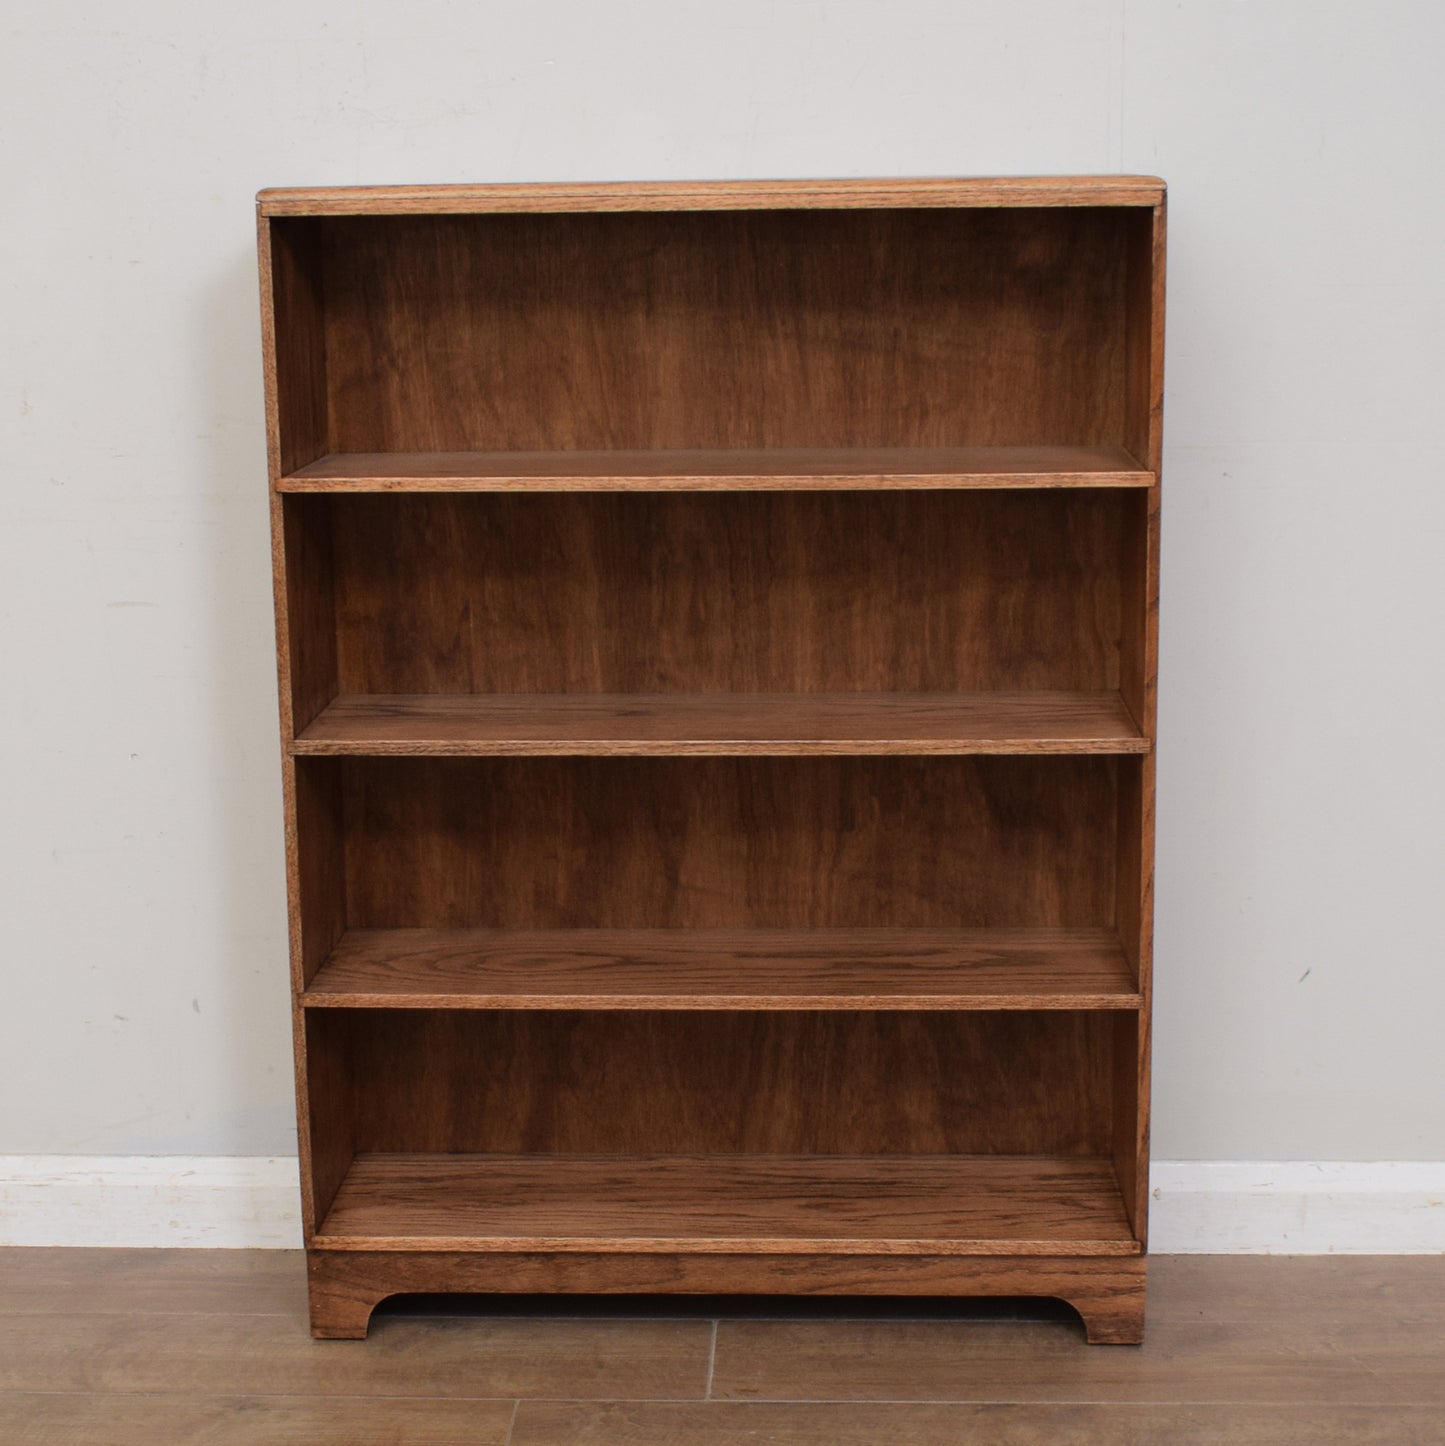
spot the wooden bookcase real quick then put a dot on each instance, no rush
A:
(717, 651)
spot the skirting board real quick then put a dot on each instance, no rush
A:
(1200, 1207)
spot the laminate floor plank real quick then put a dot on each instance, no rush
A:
(116, 1346)
(172, 1282)
(1285, 1288)
(721, 1423)
(48, 1419)
(1349, 1357)
(435, 1356)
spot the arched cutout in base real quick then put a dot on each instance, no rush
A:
(347, 1285)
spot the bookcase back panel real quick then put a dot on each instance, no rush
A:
(716, 842)
(855, 1083)
(750, 592)
(765, 329)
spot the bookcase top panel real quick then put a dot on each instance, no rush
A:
(713, 195)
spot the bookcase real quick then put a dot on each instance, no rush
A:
(716, 630)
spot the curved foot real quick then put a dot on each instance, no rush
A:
(340, 1312)
(1112, 1317)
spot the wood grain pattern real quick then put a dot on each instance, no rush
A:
(773, 724)
(44, 1418)
(316, 906)
(130, 1348)
(759, 592)
(639, 1082)
(998, 1423)
(735, 470)
(1195, 1357)
(327, 1129)
(319, 867)
(293, 345)
(1138, 681)
(1106, 1290)
(830, 474)
(754, 329)
(46, 1280)
(307, 602)
(713, 195)
(1284, 1293)
(725, 969)
(294, 374)
(270, 1356)
(1244, 1349)
(809, 1205)
(600, 843)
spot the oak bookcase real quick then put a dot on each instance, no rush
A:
(717, 652)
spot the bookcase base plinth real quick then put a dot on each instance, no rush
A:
(347, 1285)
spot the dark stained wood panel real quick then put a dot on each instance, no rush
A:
(316, 856)
(762, 592)
(293, 345)
(575, 724)
(827, 1082)
(887, 192)
(305, 607)
(783, 328)
(1106, 1290)
(767, 1204)
(695, 470)
(725, 969)
(728, 842)
(773, 561)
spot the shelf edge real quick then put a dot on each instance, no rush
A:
(720, 748)
(706, 1003)
(722, 1245)
(840, 194)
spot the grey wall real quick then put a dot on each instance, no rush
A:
(1300, 839)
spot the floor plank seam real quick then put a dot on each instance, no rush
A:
(1230, 1403)
(711, 1363)
(512, 1421)
(254, 1395)
(1022, 1402)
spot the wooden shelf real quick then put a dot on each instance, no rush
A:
(769, 1204)
(717, 723)
(725, 969)
(720, 470)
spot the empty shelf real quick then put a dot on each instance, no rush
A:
(722, 723)
(720, 469)
(771, 1204)
(725, 969)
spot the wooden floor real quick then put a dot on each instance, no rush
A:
(115, 1347)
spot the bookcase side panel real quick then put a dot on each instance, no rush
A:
(310, 608)
(293, 318)
(328, 1113)
(1139, 686)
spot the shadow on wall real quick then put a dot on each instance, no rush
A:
(249, 986)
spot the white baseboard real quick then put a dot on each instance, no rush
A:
(1297, 1207)
(1204, 1207)
(217, 1201)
